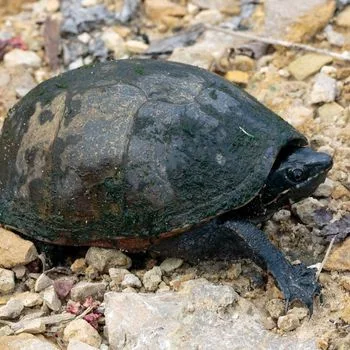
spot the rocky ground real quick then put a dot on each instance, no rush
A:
(103, 299)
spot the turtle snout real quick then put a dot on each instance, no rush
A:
(324, 161)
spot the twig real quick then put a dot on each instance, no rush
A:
(345, 56)
(87, 311)
(325, 258)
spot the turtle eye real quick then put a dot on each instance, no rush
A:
(296, 174)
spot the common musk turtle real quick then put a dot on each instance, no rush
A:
(151, 155)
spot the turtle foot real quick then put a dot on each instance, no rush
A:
(299, 283)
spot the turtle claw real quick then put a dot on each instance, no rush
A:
(299, 283)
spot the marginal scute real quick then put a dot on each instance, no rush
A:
(125, 152)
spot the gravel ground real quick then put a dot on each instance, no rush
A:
(66, 305)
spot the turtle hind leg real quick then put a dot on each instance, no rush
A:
(297, 282)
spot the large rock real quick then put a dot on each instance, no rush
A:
(14, 250)
(202, 315)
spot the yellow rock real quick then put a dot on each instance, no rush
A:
(308, 64)
(343, 19)
(156, 9)
(329, 110)
(12, 6)
(345, 315)
(14, 250)
(82, 331)
(244, 63)
(237, 76)
(136, 46)
(230, 7)
(340, 191)
(345, 282)
(308, 25)
(78, 266)
(339, 260)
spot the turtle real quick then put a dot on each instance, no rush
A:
(150, 155)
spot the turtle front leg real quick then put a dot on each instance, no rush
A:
(228, 240)
(297, 282)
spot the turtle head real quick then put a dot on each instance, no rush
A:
(295, 175)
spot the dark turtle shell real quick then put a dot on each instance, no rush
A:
(133, 149)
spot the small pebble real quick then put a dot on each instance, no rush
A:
(52, 5)
(82, 331)
(324, 89)
(152, 278)
(306, 208)
(78, 266)
(325, 189)
(269, 323)
(78, 345)
(237, 77)
(28, 299)
(135, 46)
(7, 281)
(36, 326)
(282, 215)
(288, 322)
(275, 308)
(234, 271)
(14, 250)
(63, 286)
(345, 282)
(5, 331)
(117, 275)
(11, 310)
(76, 64)
(51, 299)
(19, 271)
(89, 3)
(131, 280)
(83, 289)
(329, 110)
(18, 57)
(163, 287)
(84, 37)
(103, 259)
(300, 312)
(42, 282)
(171, 264)
(308, 64)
